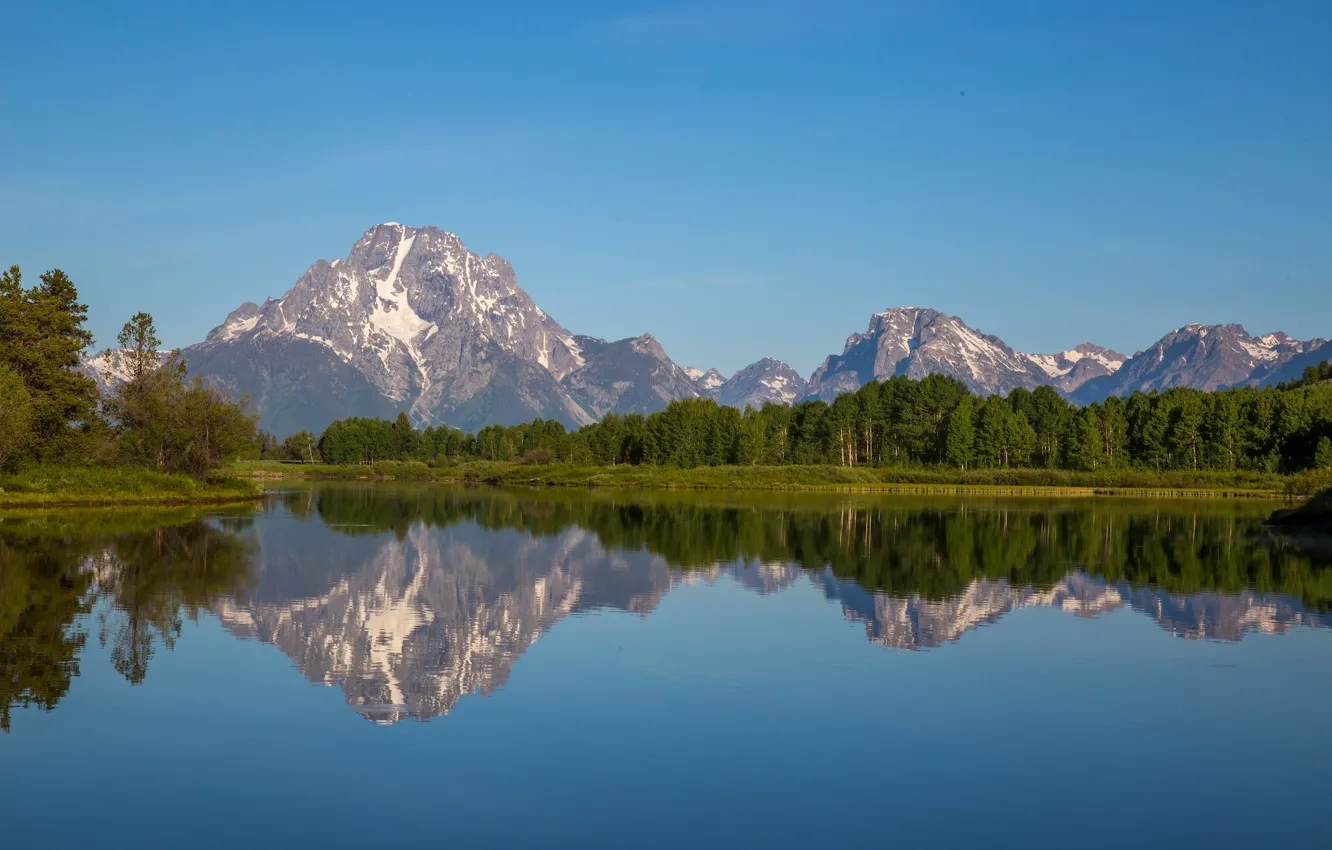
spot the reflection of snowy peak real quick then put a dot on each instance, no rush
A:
(913, 622)
(439, 614)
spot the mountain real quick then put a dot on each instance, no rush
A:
(706, 383)
(917, 342)
(766, 382)
(1205, 357)
(628, 376)
(412, 320)
(1070, 369)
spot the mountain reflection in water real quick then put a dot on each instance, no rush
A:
(409, 598)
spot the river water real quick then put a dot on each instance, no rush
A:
(356, 666)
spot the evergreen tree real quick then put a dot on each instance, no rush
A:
(42, 339)
(139, 343)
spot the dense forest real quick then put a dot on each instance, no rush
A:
(900, 422)
(52, 413)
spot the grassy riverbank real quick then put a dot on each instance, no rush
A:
(1043, 482)
(61, 486)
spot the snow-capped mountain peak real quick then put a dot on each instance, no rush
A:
(917, 342)
(413, 317)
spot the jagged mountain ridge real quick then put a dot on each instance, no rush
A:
(1070, 369)
(1208, 357)
(412, 320)
(917, 342)
(766, 381)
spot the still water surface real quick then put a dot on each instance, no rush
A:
(608, 670)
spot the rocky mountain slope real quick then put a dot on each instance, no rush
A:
(1070, 369)
(1207, 357)
(766, 382)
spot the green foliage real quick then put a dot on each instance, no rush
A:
(1312, 375)
(1323, 454)
(902, 424)
(138, 340)
(162, 422)
(301, 446)
(52, 485)
(15, 417)
(41, 340)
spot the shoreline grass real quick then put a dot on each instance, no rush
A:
(1016, 482)
(92, 486)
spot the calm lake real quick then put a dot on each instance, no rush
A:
(357, 666)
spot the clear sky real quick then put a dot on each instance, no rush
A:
(742, 179)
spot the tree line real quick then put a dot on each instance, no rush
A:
(51, 412)
(900, 422)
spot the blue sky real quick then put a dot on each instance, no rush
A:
(742, 179)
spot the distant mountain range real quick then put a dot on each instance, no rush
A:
(413, 321)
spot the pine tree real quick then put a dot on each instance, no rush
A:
(42, 339)
(138, 342)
